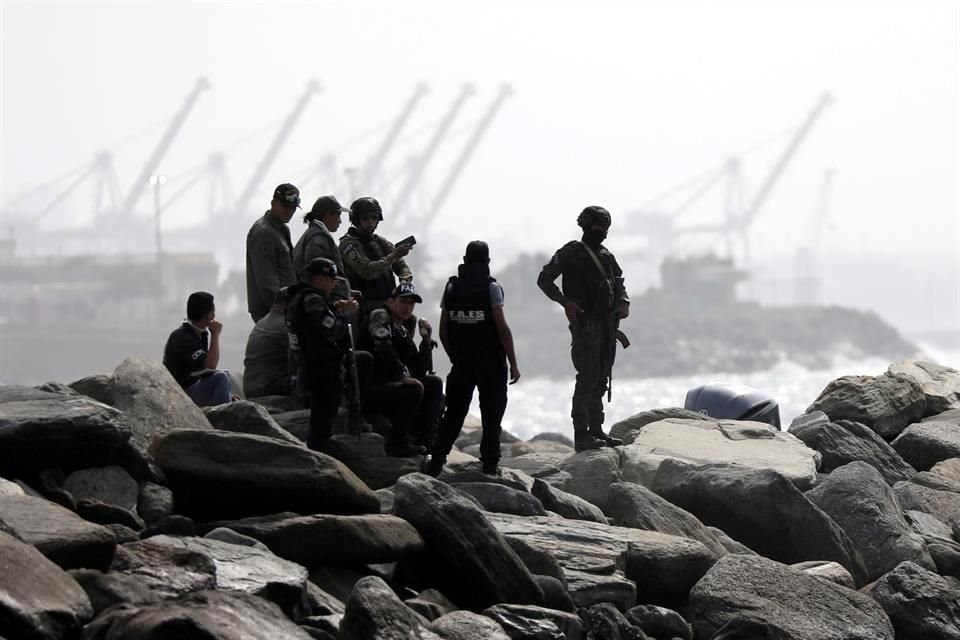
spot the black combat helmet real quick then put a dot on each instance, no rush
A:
(364, 206)
(593, 215)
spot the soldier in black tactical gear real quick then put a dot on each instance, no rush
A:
(475, 334)
(369, 260)
(594, 300)
(318, 333)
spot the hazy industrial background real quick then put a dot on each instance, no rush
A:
(613, 104)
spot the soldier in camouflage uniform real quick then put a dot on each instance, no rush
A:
(369, 260)
(594, 300)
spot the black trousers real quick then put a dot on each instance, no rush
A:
(326, 385)
(489, 377)
(592, 354)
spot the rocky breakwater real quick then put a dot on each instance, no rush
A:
(125, 512)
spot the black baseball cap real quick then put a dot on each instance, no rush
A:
(406, 290)
(287, 194)
(321, 267)
(326, 205)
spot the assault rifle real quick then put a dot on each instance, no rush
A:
(355, 422)
(616, 335)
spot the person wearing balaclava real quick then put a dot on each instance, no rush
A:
(594, 300)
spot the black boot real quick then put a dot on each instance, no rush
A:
(434, 466)
(584, 441)
(609, 440)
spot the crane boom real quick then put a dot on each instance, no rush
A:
(370, 170)
(150, 167)
(764, 192)
(471, 145)
(274, 150)
(423, 159)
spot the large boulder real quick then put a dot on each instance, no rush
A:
(590, 475)
(626, 429)
(112, 485)
(247, 569)
(38, 599)
(760, 508)
(211, 615)
(844, 441)
(940, 384)
(787, 602)
(528, 621)
(466, 625)
(633, 505)
(566, 504)
(885, 403)
(243, 416)
(374, 611)
(601, 562)
(920, 603)
(859, 500)
(466, 543)
(152, 401)
(60, 534)
(39, 430)
(752, 445)
(331, 539)
(168, 571)
(217, 474)
(924, 444)
(502, 499)
(108, 589)
(942, 505)
(949, 469)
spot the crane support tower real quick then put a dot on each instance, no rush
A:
(136, 191)
(274, 150)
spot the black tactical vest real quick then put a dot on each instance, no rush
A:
(380, 287)
(471, 331)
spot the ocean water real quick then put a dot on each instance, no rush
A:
(538, 405)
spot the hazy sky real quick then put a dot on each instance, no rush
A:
(614, 104)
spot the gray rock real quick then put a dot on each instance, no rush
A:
(591, 474)
(529, 621)
(935, 481)
(659, 622)
(223, 534)
(174, 525)
(949, 469)
(760, 508)
(943, 505)
(152, 401)
(322, 603)
(383, 471)
(752, 445)
(211, 615)
(731, 545)
(537, 465)
(216, 474)
(540, 446)
(537, 560)
(831, 571)
(466, 625)
(107, 514)
(374, 611)
(431, 604)
(566, 504)
(952, 416)
(39, 430)
(924, 444)
(940, 384)
(331, 539)
(8, 488)
(555, 594)
(56, 387)
(248, 417)
(626, 429)
(166, 570)
(786, 601)
(858, 499)
(61, 535)
(469, 546)
(920, 603)
(108, 589)
(249, 570)
(592, 554)
(885, 403)
(635, 506)
(154, 502)
(844, 441)
(38, 599)
(552, 436)
(98, 387)
(502, 499)
(296, 422)
(112, 485)
(605, 621)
